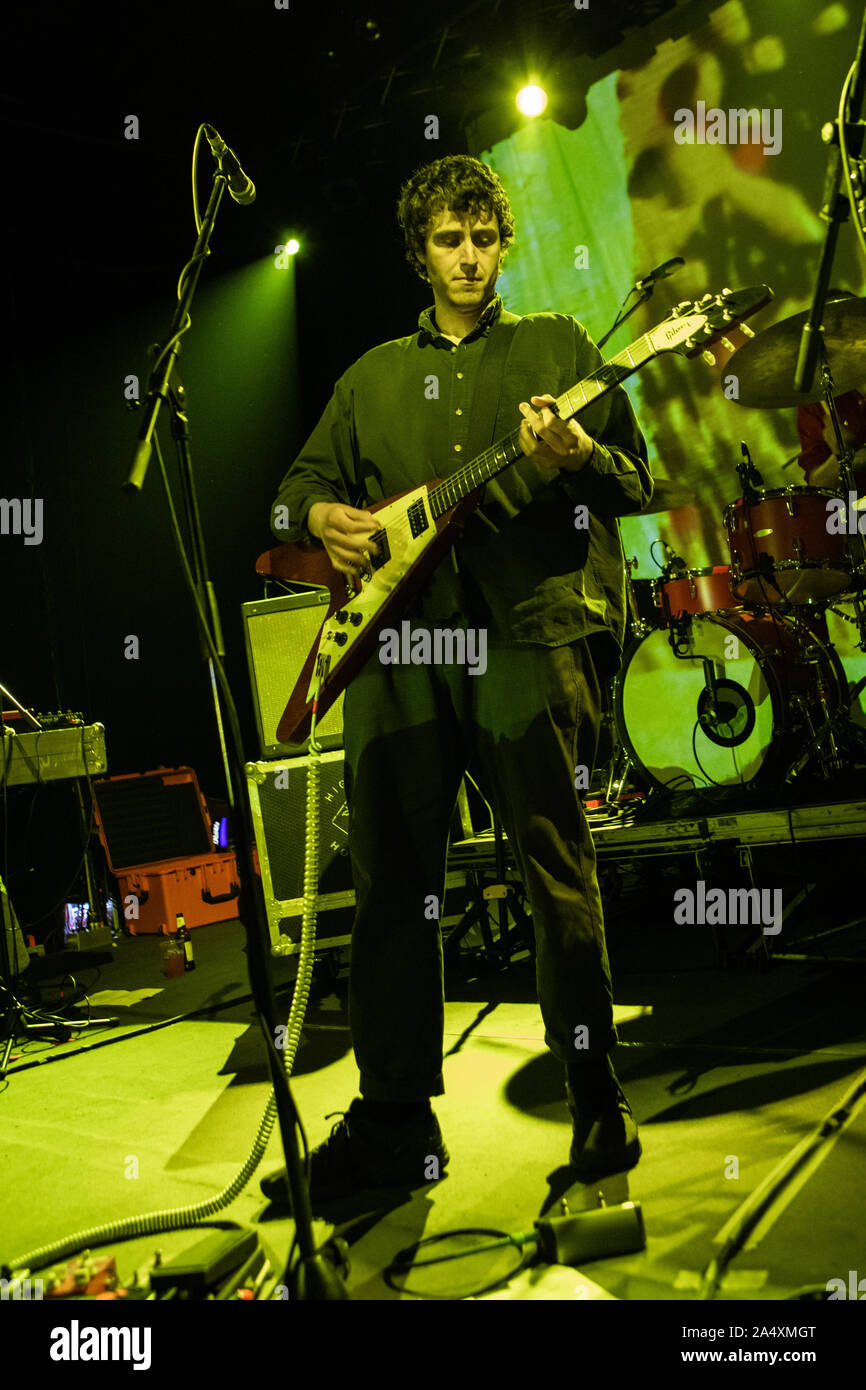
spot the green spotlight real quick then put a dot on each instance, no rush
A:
(531, 100)
(293, 246)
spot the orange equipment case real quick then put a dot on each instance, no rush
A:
(158, 839)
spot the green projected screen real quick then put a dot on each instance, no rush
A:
(651, 174)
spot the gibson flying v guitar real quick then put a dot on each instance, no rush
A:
(417, 528)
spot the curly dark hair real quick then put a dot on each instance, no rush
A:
(460, 183)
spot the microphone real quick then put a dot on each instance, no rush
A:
(675, 563)
(241, 188)
(660, 273)
(710, 711)
(751, 478)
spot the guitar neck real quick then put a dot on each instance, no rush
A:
(501, 456)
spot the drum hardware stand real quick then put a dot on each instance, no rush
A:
(620, 765)
(846, 618)
(828, 765)
(846, 476)
(503, 894)
(837, 729)
(705, 861)
(759, 947)
(639, 627)
(835, 210)
(680, 633)
(845, 458)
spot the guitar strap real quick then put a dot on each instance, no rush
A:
(488, 385)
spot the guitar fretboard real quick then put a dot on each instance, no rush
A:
(501, 455)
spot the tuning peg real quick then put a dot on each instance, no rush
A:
(726, 344)
(746, 331)
(727, 291)
(708, 358)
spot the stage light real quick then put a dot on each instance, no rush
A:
(293, 246)
(368, 30)
(531, 100)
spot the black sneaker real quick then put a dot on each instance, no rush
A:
(365, 1152)
(605, 1133)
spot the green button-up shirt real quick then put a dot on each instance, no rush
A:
(526, 564)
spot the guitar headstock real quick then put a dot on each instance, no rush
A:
(694, 324)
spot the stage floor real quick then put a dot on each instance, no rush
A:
(727, 1070)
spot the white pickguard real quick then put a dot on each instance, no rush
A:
(339, 637)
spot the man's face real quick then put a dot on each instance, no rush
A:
(462, 259)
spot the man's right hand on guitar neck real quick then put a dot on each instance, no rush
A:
(345, 533)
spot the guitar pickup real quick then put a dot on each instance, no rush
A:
(418, 522)
(384, 552)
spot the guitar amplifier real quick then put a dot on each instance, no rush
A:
(278, 801)
(279, 633)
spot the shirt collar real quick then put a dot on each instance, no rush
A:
(427, 323)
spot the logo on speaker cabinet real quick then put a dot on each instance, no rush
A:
(338, 814)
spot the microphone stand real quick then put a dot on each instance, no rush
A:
(315, 1276)
(845, 455)
(644, 295)
(835, 211)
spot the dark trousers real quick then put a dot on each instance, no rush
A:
(520, 729)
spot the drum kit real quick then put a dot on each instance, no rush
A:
(753, 673)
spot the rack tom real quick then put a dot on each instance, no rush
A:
(782, 548)
(695, 592)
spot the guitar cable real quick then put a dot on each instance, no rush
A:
(204, 1212)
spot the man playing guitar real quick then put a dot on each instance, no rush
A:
(539, 568)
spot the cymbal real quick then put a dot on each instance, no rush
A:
(766, 364)
(668, 495)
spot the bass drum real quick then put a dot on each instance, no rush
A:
(722, 707)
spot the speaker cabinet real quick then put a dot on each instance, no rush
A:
(279, 633)
(278, 801)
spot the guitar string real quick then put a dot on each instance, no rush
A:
(498, 454)
(495, 459)
(615, 370)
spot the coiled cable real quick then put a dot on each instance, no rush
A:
(178, 1218)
